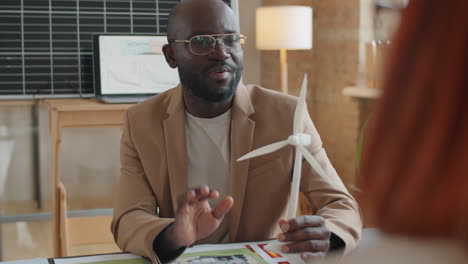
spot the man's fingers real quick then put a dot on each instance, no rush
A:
(301, 222)
(204, 193)
(223, 207)
(307, 246)
(202, 190)
(213, 194)
(186, 198)
(283, 225)
(197, 195)
(308, 233)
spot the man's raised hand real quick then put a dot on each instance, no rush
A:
(195, 219)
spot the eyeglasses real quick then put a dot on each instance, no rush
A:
(205, 44)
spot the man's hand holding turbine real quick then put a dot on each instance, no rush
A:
(306, 234)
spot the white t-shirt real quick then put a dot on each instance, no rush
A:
(209, 159)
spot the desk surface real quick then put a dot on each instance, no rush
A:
(65, 105)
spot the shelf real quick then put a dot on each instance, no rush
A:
(361, 92)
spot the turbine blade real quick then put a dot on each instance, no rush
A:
(314, 163)
(264, 150)
(300, 106)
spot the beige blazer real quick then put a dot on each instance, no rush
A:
(154, 171)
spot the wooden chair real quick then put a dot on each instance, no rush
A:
(83, 235)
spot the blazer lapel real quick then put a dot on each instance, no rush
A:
(242, 131)
(176, 146)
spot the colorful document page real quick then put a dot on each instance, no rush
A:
(234, 253)
(238, 253)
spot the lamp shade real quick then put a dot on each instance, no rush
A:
(284, 27)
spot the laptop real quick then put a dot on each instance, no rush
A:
(130, 68)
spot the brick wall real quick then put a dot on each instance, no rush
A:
(331, 65)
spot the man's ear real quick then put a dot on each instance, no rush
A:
(169, 54)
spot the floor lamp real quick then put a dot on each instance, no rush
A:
(284, 28)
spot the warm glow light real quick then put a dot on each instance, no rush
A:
(284, 27)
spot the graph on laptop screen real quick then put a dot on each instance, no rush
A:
(133, 64)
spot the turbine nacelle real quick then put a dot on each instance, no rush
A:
(299, 139)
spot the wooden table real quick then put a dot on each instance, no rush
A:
(66, 113)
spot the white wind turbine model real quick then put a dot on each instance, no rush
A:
(299, 141)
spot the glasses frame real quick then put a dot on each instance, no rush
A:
(216, 37)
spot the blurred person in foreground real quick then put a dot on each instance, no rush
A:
(415, 166)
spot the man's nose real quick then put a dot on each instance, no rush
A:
(219, 52)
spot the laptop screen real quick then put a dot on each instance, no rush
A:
(131, 65)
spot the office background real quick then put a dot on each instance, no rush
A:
(89, 164)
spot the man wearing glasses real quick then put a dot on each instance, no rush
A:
(180, 183)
